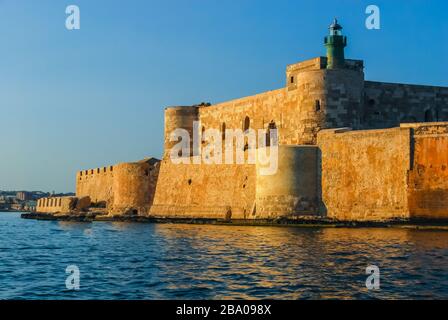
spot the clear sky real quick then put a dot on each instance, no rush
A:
(72, 100)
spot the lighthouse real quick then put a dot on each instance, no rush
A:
(335, 44)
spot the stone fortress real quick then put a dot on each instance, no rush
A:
(349, 150)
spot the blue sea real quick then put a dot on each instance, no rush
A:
(174, 261)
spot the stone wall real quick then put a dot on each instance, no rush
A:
(121, 188)
(314, 98)
(364, 173)
(97, 184)
(242, 191)
(428, 180)
(57, 204)
(204, 191)
(389, 104)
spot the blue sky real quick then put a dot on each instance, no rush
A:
(72, 100)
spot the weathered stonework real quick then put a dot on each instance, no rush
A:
(125, 188)
(385, 174)
(63, 204)
(344, 153)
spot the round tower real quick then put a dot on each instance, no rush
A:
(132, 187)
(179, 118)
(335, 44)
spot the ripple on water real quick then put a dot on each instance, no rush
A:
(168, 261)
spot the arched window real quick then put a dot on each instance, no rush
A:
(246, 124)
(317, 105)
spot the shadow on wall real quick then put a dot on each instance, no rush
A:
(321, 207)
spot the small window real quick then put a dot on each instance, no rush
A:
(292, 79)
(246, 124)
(202, 135)
(223, 131)
(271, 126)
(111, 168)
(98, 170)
(104, 169)
(317, 105)
(189, 182)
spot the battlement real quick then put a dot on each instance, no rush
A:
(62, 204)
(84, 174)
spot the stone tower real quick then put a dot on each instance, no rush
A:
(335, 44)
(329, 91)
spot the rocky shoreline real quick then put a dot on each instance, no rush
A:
(299, 222)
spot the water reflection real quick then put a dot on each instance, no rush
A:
(167, 261)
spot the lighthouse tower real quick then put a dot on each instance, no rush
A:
(335, 44)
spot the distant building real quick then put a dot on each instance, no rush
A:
(24, 196)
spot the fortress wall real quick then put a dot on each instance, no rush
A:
(428, 180)
(95, 183)
(56, 204)
(134, 187)
(293, 190)
(318, 99)
(204, 191)
(364, 173)
(388, 104)
(256, 111)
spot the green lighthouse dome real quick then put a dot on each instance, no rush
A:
(335, 44)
